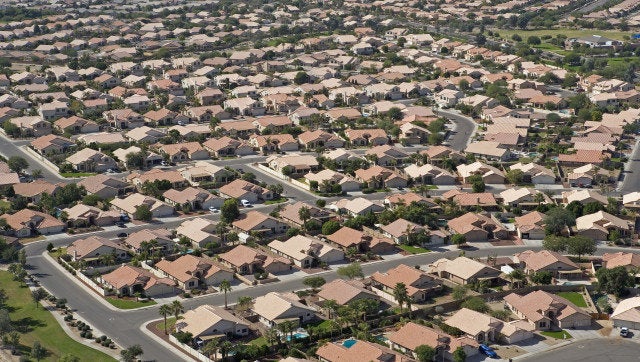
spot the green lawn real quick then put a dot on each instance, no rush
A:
(570, 33)
(4, 206)
(574, 297)
(557, 334)
(41, 326)
(413, 249)
(276, 201)
(129, 303)
(260, 341)
(77, 174)
(171, 321)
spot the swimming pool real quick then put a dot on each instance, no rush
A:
(349, 343)
(298, 335)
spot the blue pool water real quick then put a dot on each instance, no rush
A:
(349, 342)
(298, 335)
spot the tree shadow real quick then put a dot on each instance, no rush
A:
(28, 324)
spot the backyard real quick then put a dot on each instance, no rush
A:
(574, 297)
(40, 325)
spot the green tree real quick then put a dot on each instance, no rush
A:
(351, 271)
(211, 348)
(557, 220)
(459, 292)
(425, 353)
(476, 303)
(478, 186)
(614, 281)
(514, 176)
(164, 311)
(533, 40)
(581, 245)
(330, 227)
(225, 287)
(400, 294)
(301, 78)
(542, 277)
(17, 164)
(314, 282)
(458, 239)
(68, 357)
(555, 243)
(177, 309)
(459, 355)
(229, 210)
(37, 351)
(38, 295)
(131, 354)
(395, 114)
(305, 214)
(143, 212)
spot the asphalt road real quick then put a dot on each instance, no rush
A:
(631, 181)
(9, 149)
(593, 350)
(464, 129)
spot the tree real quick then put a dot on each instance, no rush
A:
(176, 308)
(459, 292)
(314, 282)
(131, 354)
(425, 353)
(37, 351)
(517, 274)
(164, 311)
(351, 271)
(514, 176)
(225, 287)
(49, 247)
(458, 239)
(459, 355)
(211, 348)
(229, 210)
(38, 295)
(476, 303)
(557, 220)
(305, 214)
(478, 186)
(581, 245)
(533, 40)
(604, 305)
(17, 164)
(395, 113)
(400, 294)
(13, 340)
(301, 78)
(542, 277)
(330, 227)
(143, 212)
(555, 243)
(614, 281)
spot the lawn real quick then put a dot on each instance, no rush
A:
(413, 249)
(171, 321)
(260, 341)
(276, 201)
(557, 334)
(574, 297)
(77, 174)
(5, 206)
(41, 326)
(570, 33)
(129, 303)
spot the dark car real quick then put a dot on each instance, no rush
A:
(488, 351)
(121, 224)
(123, 235)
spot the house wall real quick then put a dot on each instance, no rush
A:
(159, 290)
(163, 211)
(218, 277)
(476, 235)
(575, 321)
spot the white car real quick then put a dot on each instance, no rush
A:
(245, 203)
(214, 210)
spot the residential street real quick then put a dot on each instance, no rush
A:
(594, 350)
(464, 129)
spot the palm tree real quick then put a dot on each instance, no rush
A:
(225, 347)
(330, 305)
(400, 294)
(221, 229)
(211, 348)
(225, 287)
(164, 311)
(271, 335)
(177, 308)
(305, 214)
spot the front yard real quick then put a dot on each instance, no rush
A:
(276, 201)
(122, 303)
(557, 334)
(39, 325)
(413, 249)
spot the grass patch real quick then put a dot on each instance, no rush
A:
(574, 297)
(557, 334)
(77, 174)
(413, 249)
(130, 303)
(276, 201)
(5, 206)
(41, 326)
(32, 239)
(171, 321)
(570, 33)
(260, 341)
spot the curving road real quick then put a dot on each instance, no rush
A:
(464, 128)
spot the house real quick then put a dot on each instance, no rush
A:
(293, 165)
(599, 225)
(346, 238)
(191, 272)
(630, 261)
(244, 190)
(246, 261)
(359, 351)
(367, 137)
(151, 239)
(131, 203)
(627, 314)
(82, 215)
(208, 321)
(412, 335)
(26, 222)
(93, 247)
(199, 232)
(355, 207)
(545, 260)
(395, 200)
(185, 151)
(401, 230)
(477, 227)
(420, 285)
(386, 155)
(530, 226)
(145, 134)
(130, 280)
(174, 178)
(534, 173)
(329, 181)
(546, 311)
(489, 174)
(448, 97)
(33, 126)
(481, 327)
(275, 142)
(429, 175)
(275, 308)
(255, 221)
(90, 160)
(75, 125)
(104, 186)
(195, 197)
(291, 214)
(306, 252)
(376, 177)
(203, 171)
(51, 145)
(344, 292)
(226, 147)
(523, 197)
(33, 191)
(584, 197)
(311, 140)
(463, 270)
(488, 150)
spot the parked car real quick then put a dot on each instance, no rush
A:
(488, 351)
(214, 210)
(624, 332)
(123, 235)
(245, 203)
